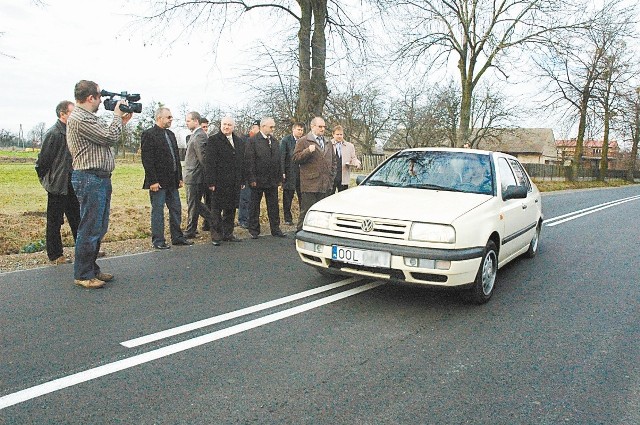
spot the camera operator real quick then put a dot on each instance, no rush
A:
(90, 142)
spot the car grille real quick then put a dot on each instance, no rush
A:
(382, 228)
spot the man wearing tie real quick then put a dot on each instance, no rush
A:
(163, 178)
(317, 161)
(346, 158)
(264, 175)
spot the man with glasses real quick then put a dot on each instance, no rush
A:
(89, 141)
(163, 178)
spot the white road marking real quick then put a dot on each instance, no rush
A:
(107, 369)
(232, 315)
(580, 213)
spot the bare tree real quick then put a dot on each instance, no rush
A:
(36, 134)
(629, 125)
(363, 111)
(313, 20)
(477, 34)
(576, 61)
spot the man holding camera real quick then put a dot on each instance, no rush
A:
(163, 178)
(89, 142)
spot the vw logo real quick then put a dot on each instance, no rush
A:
(367, 225)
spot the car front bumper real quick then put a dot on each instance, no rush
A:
(316, 250)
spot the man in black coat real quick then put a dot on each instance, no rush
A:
(264, 175)
(54, 171)
(163, 178)
(224, 175)
(290, 171)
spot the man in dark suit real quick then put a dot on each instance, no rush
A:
(290, 171)
(194, 175)
(264, 175)
(224, 176)
(163, 178)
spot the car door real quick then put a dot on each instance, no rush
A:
(519, 215)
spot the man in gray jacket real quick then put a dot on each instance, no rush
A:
(193, 175)
(54, 171)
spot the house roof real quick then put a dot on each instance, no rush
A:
(522, 141)
(587, 143)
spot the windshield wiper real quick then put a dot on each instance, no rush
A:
(379, 183)
(427, 186)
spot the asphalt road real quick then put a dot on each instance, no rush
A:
(558, 342)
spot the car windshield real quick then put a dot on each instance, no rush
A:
(436, 170)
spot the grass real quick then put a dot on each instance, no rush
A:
(24, 205)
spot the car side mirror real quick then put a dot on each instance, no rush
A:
(514, 192)
(360, 179)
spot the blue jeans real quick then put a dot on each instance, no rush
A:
(171, 198)
(243, 209)
(94, 197)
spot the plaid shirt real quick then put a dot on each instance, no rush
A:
(90, 140)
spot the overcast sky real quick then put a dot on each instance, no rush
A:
(46, 49)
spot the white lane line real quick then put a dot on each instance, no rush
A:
(232, 315)
(586, 211)
(107, 369)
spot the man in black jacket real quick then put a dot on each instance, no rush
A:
(224, 175)
(290, 171)
(264, 175)
(163, 178)
(54, 171)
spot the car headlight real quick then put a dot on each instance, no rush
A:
(317, 219)
(428, 232)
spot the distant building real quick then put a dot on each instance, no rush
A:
(529, 145)
(591, 152)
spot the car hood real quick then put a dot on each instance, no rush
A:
(434, 206)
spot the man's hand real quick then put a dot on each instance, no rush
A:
(155, 187)
(181, 183)
(312, 148)
(126, 116)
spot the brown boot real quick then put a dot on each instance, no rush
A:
(90, 284)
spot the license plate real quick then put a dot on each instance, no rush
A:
(362, 257)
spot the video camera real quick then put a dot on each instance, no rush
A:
(110, 104)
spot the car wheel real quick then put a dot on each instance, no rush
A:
(533, 245)
(482, 288)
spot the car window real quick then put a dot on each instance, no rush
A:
(521, 175)
(507, 178)
(439, 170)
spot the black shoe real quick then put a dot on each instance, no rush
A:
(232, 239)
(184, 242)
(289, 222)
(255, 236)
(190, 235)
(215, 243)
(162, 245)
(279, 235)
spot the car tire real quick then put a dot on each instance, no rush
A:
(533, 245)
(483, 286)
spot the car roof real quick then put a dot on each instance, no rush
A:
(465, 150)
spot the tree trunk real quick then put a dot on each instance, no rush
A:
(582, 127)
(464, 127)
(604, 161)
(312, 45)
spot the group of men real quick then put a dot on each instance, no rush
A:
(221, 172)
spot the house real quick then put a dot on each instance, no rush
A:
(591, 152)
(529, 145)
